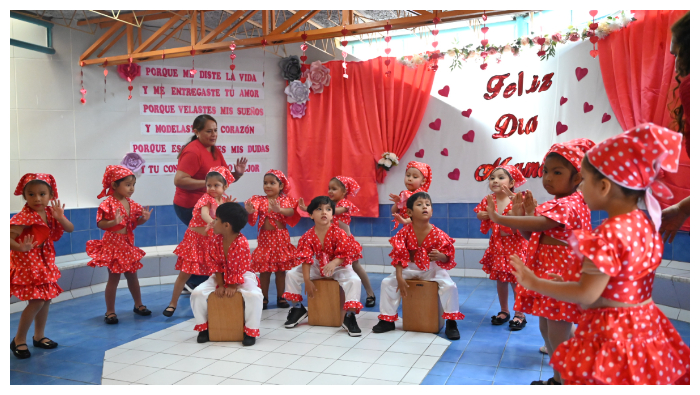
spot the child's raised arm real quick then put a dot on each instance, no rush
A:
(205, 215)
(145, 215)
(525, 223)
(57, 210)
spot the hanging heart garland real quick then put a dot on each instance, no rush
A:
(82, 88)
(345, 54)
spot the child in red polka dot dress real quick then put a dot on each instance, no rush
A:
(339, 189)
(418, 178)
(548, 251)
(622, 336)
(275, 252)
(192, 250)
(503, 241)
(33, 271)
(118, 216)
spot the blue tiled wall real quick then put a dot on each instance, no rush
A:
(457, 219)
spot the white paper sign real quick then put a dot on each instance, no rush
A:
(247, 77)
(199, 92)
(161, 128)
(197, 109)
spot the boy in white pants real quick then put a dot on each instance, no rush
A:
(229, 254)
(420, 251)
(325, 251)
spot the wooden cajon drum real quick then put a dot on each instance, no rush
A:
(226, 318)
(326, 307)
(422, 311)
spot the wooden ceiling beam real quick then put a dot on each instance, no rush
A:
(347, 17)
(222, 26)
(129, 39)
(166, 26)
(265, 22)
(308, 19)
(170, 35)
(193, 27)
(237, 25)
(111, 43)
(289, 22)
(100, 41)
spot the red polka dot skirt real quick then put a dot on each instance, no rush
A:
(274, 253)
(191, 254)
(496, 260)
(33, 274)
(621, 346)
(550, 259)
(115, 251)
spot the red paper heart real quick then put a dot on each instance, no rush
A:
(344, 42)
(594, 39)
(192, 52)
(469, 136)
(434, 44)
(387, 62)
(593, 26)
(467, 113)
(606, 117)
(453, 175)
(444, 152)
(484, 66)
(435, 32)
(387, 38)
(420, 153)
(304, 47)
(435, 125)
(387, 27)
(105, 72)
(541, 53)
(303, 58)
(561, 128)
(587, 107)
(581, 72)
(444, 91)
(82, 100)
(563, 100)
(232, 67)
(540, 41)
(484, 29)
(304, 36)
(593, 13)
(131, 88)
(344, 31)
(594, 52)
(387, 51)
(484, 42)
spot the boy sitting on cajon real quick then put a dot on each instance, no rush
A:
(229, 254)
(325, 251)
(420, 251)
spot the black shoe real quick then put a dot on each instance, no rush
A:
(282, 303)
(111, 319)
(143, 312)
(383, 326)
(295, 316)
(551, 381)
(247, 340)
(517, 325)
(44, 343)
(169, 311)
(265, 303)
(451, 330)
(496, 320)
(369, 302)
(350, 325)
(21, 354)
(203, 336)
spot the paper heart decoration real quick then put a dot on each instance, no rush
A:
(232, 46)
(192, 52)
(563, 100)
(435, 32)
(304, 36)
(581, 72)
(453, 175)
(594, 52)
(387, 51)
(434, 44)
(484, 66)
(420, 153)
(593, 13)
(594, 39)
(387, 27)
(541, 53)
(444, 152)
(304, 47)
(561, 128)
(444, 91)
(467, 113)
(344, 32)
(344, 42)
(345, 76)
(435, 125)
(387, 62)
(469, 136)
(587, 107)
(83, 91)
(541, 40)
(484, 42)
(232, 56)
(193, 72)
(484, 29)
(436, 20)
(387, 38)
(232, 67)
(484, 54)
(345, 54)
(606, 118)
(593, 26)
(303, 58)
(345, 65)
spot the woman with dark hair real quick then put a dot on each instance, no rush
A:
(674, 216)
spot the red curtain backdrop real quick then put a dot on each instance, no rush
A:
(350, 125)
(639, 77)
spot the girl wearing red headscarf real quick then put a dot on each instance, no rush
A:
(418, 178)
(33, 271)
(503, 241)
(622, 336)
(548, 251)
(118, 216)
(273, 212)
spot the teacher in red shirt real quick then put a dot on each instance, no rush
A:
(193, 163)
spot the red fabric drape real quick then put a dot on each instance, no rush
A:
(639, 77)
(350, 125)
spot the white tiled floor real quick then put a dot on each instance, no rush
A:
(304, 355)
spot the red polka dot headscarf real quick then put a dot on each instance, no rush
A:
(112, 173)
(280, 176)
(47, 178)
(573, 151)
(635, 158)
(515, 174)
(351, 186)
(225, 172)
(425, 170)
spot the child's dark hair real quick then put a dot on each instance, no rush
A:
(318, 201)
(233, 214)
(639, 194)
(276, 178)
(339, 183)
(217, 175)
(566, 162)
(36, 182)
(416, 196)
(119, 181)
(510, 178)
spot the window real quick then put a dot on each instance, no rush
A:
(30, 33)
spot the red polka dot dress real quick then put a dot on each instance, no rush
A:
(623, 345)
(346, 216)
(116, 251)
(192, 250)
(34, 274)
(274, 252)
(496, 260)
(572, 213)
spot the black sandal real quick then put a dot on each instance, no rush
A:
(142, 312)
(48, 344)
(496, 320)
(111, 319)
(282, 303)
(551, 381)
(370, 301)
(20, 354)
(265, 302)
(169, 313)
(517, 325)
